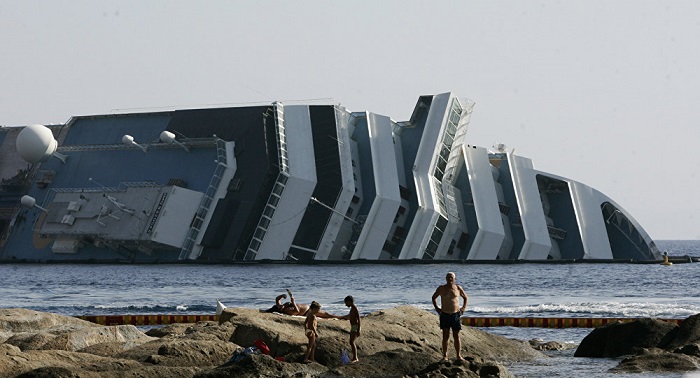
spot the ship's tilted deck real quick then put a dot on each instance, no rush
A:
(297, 183)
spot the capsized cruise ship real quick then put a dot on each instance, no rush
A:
(294, 182)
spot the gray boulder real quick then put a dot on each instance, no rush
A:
(656, 360)
(205, 330)
(83, 338)
(33, 330)
(15, 320)
(619, 339)
(203, 353)
(690, 350)
(687, 333)
(394, 363)
(407, 328)
(14, 361)
(30, 340)
(550, 345)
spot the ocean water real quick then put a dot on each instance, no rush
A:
(498, 290)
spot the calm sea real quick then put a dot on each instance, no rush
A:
(508, 290)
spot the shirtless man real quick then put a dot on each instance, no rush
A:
(293, 308)
(450, 312)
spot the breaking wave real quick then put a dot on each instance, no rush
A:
(592, 309)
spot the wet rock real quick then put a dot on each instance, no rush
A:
(690, 350)
(652, 345)
(657, 360)
(687, 333)
(619, 339)
(539, 344)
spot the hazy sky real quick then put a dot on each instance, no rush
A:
(603, 92)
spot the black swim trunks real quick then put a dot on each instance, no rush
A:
(453, 321)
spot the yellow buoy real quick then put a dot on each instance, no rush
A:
(666, 262)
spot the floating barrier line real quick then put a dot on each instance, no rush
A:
(549, 322)
(140, 320)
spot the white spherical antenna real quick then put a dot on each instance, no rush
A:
(30, 202)
(169, 138)
(129, 141)
(35, 143)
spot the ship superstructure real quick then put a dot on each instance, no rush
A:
(293, 182)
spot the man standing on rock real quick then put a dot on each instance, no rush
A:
(450, 312)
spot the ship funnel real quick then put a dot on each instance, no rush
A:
(169, 138)
(30, 202)
(129, 141)
(35, 143)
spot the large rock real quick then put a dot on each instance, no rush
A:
(690, 350)
(205, 330)
(263, 366)
(83, 338)
(384, 364)
(33, 330)
(619, 339)
(405, 327)
(13, 361)
(182, 352)
(656, 360)
(539, 344)
(142, 372)
(110, 348)
(651, 345)
(394, 363)
(394, 342)
(15, 320)
(687, 333)
(30, 340)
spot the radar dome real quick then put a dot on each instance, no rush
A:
(36, 143)
(28, 201)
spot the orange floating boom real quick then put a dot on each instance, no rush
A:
(549, 322)
(140, 320)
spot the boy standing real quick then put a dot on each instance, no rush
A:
(311, 331)
(354, 318)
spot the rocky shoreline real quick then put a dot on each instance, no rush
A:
(647, 345)
(397, 342)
